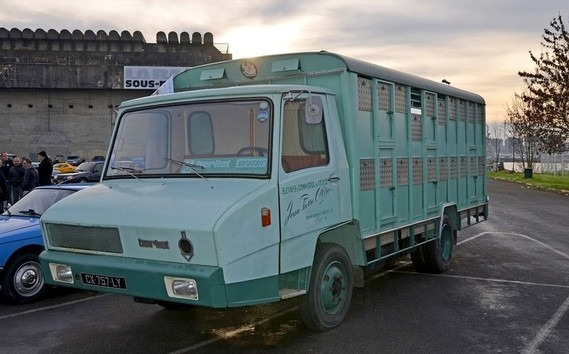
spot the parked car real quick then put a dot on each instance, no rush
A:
(86, 172)
(58, 159)
(64, 167)
(98, 158)
(54, 174)
(21, 242)
(74, 160)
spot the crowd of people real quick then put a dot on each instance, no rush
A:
(18, 176)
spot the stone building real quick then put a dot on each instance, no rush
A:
(59, 90)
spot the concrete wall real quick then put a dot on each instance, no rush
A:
(61, 122)
(58, 90)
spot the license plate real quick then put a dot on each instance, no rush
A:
(104, 281)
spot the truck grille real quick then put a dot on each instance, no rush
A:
(100, 239)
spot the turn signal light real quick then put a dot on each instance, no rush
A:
(265, 217)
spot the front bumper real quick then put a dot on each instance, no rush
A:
(143, 278)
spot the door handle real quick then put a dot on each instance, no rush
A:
(333, 179)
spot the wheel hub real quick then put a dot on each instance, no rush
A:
(336, 287)
(28, 280)
(333, 289)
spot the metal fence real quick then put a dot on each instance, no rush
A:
(555, 164)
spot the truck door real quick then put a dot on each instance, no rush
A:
(308, 178)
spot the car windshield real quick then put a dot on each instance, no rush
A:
(220, 138)
(85, 166)
(38, 201)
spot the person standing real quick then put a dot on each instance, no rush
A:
(30, 180)
(3, 188)
(45, 169)
(15, 178)
(7, 164)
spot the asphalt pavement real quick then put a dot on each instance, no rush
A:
(507, 291)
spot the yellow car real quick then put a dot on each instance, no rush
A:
(64, 167)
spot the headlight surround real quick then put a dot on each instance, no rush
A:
(61, 273)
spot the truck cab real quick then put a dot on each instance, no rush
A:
(246, 176)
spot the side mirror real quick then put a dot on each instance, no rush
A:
(313, 110)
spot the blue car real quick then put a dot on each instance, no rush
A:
(21, 242)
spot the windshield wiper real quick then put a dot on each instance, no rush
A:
(29, 212)
(191, 166)
(131, 171)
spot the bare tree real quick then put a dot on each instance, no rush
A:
(548, 88)
(521, 124)
(495, 142)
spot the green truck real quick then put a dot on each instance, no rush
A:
(263, 179)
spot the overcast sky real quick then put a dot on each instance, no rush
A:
(477, 45)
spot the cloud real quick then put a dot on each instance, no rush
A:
(477, 45)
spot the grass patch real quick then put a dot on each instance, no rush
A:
(539, 180)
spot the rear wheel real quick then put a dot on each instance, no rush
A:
(23, 280)
(438, 254)
(330, 293)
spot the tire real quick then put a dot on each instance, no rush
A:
(438, 254)
(23, 280)
(330, 289)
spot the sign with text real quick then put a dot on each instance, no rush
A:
(148, 77)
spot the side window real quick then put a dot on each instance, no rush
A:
(304, 142)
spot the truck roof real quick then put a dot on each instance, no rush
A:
(283, 66)
(373, 70)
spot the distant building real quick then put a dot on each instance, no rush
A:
(511, 144)
(59, 90)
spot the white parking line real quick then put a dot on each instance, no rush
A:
(544, 331)
(518, 235)
(475, 237)
(483, 279)
(12, 315)
(547, 328)
(554, 320)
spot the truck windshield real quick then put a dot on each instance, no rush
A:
(218, 138)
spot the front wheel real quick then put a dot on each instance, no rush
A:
(331, 281)
(23, 280)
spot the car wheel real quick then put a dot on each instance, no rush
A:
(23, 280)
(330, 290)
(83, 180)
